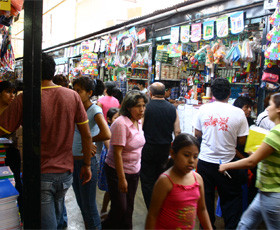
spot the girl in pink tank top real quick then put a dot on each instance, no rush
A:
(178, 194)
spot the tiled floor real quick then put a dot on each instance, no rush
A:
(139, 215)
(75, 218)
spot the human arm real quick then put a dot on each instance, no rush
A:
(250, 162)
(119, 168)
(105, 133)
(177, 129)
(162, 187)
(84, 130)
(107, 143)
(197, 133)
(201, 206)
(241, 140)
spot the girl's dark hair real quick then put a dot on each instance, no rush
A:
(88, 84)
(276, 99)
(130, 100)
(111, 112)
(184, 140)
(110, 87)
(117, 93)
(241, 101)
(6, 85)
(220, 88)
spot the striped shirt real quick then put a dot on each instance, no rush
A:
(125, 134)
(268, 174)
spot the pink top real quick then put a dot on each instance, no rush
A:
(179, 208)
(125, 134)
(107, 103)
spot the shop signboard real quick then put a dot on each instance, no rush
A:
(5, 5)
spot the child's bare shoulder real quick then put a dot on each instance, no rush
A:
(199, 178)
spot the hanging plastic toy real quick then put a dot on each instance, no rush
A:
(119, 48)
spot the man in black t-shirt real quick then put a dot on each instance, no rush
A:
(160, 121)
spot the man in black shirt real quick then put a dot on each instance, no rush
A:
(160, 120)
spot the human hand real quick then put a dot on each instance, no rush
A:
(123, 185)
(222, 168)
(93, 149)
(85, 174)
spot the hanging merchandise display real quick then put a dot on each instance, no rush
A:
(237, 22)
(142, 36)
(222, 27)
(126, 61)
(196, 32)
(185, 34)
(174, 38)
(208, 30)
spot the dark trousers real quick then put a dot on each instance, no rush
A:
(153, 163)
(122, 204)
(229, 190)
(13, 160)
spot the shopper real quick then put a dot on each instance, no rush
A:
(160, 121)
(86, 194)
(245, 103)
(108, 100)
(61, 79)
(249, 190)
(263, 120)
(142, 86)
(221, 127)
(122, 164)
(112, 115)
(178, 195)
(61, 108)
(13, 157)
(266, 205)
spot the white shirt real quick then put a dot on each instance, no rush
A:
(263, 121)
(144, 91)
(220, 124)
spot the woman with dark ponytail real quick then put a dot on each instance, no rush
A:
(86, 193)
(108, 101)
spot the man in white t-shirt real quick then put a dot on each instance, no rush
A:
(221, 126)
(141, 84)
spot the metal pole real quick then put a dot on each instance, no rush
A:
(32, 113)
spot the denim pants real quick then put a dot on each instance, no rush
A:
(265, 207)
(53, 189)
(122, 204)
(86, 194)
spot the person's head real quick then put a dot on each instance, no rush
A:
(87, 87)
(110, 86)
(60, 79)
(167, 90)
(133, 105)
(48, 67)
(157, 89)
(19, 85)
(112, 115)
(135, 88)
(141, 84)
(7, 92)
(117, 93)
(184, 152)
(244, 103)
(220, 88)
(266, 100)
(274, 108)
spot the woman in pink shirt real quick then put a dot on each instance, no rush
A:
(108, 101)
(122, 164)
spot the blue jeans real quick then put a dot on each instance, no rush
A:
(86, 194)
(265, 206)
(53, 189)
(63, 222)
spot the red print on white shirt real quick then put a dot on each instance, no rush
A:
(220, 122)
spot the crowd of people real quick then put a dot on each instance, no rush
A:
(114, 142)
